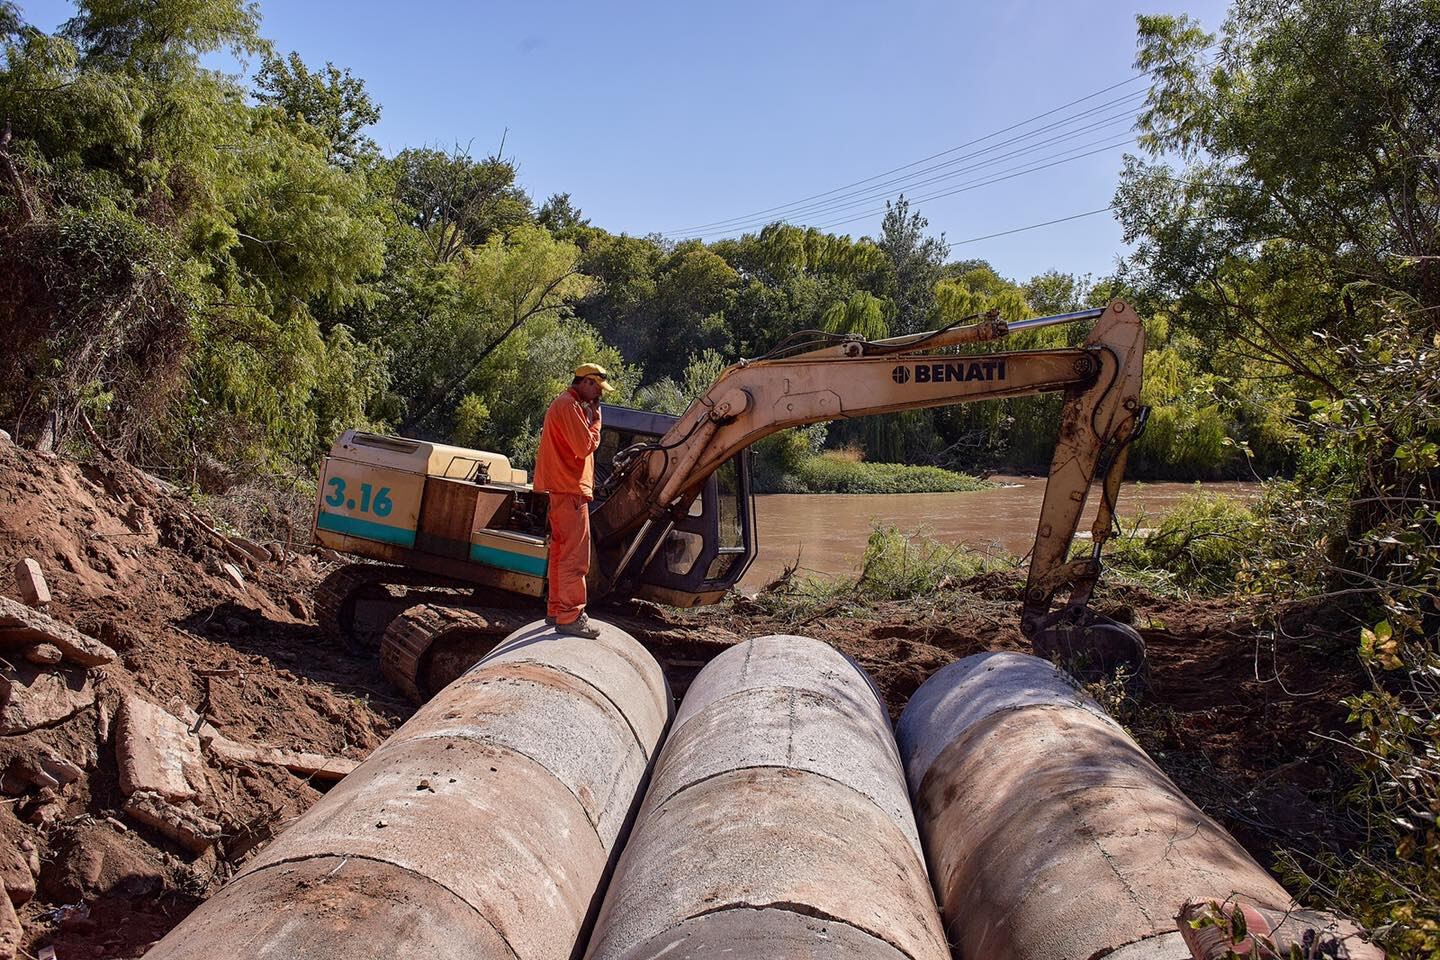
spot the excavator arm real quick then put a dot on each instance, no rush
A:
(653, 483)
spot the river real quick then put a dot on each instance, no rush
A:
(828, 532)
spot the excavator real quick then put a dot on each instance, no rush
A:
(452, 541)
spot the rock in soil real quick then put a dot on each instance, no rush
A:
(156, 752)
(33, 698)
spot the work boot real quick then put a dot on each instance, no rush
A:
(579, 628)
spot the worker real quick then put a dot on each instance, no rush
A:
(565, 469)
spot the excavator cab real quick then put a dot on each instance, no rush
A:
(710, 546)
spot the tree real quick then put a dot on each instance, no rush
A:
(163, 38)
(333, 102)
(558, 215)
(915, 260)
(1053, 292)
(455, 201)
(1311, 186)
(501, 286)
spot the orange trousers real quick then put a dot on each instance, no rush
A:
(569, 556)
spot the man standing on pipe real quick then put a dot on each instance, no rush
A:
(565, 469)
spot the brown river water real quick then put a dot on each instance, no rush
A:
(828, 532)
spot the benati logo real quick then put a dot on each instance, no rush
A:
(951, 372)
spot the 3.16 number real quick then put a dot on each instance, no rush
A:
(380, 504)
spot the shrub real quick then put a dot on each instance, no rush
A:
(1200, 545)
(900, 566)
(842, 473)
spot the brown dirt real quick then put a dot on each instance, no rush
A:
(1230, 712)
(134, 566)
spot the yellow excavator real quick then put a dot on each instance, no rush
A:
(460, 537)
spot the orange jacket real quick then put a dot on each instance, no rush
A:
(568, 441)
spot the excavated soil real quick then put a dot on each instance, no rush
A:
(1232, 710)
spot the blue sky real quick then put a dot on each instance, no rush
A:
(661, 117)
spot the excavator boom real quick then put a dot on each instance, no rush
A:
(654, 483)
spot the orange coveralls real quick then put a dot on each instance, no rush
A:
(565, 469)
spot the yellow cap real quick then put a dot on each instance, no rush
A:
(597, 373)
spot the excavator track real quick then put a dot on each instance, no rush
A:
(355, 603)
(429, 645)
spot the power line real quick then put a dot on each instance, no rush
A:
(799, 208)
(1033, 226)
(882, 191)
(848, 197)
(983, 183)
(915, 163)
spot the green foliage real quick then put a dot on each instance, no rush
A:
(915, 261)
(455, 201)
(333, 102)
(898, 566)
(837, 473)
(674, 398)
(1200, 546)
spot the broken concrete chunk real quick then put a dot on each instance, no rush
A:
(58, 768)
(30, 581)
(16, 875)
(186, 827)
(313, 765)
(33, 699)
(19, 625)
(11, 934)
(251, 549)
(45, 654)
(234, 574)
(156, 752)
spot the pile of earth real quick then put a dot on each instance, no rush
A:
(212, 631)
(214, 641)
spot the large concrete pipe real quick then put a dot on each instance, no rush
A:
(481, 829)
(1051, 835)
(776, 823)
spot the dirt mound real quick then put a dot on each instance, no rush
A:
(212, 631)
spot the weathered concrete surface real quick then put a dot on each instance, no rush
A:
(21, 626)
(30, 582)
(187, 827)
(1050, 833)
(157, 753)
(776, 823)
(482, 828)
(316, 765)
(35, 698)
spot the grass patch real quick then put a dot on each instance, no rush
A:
(842, 472)
(896, 566)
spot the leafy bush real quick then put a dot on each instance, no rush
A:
(1200, 545)
(900, 566)
(1361, 524)
(840, 473)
